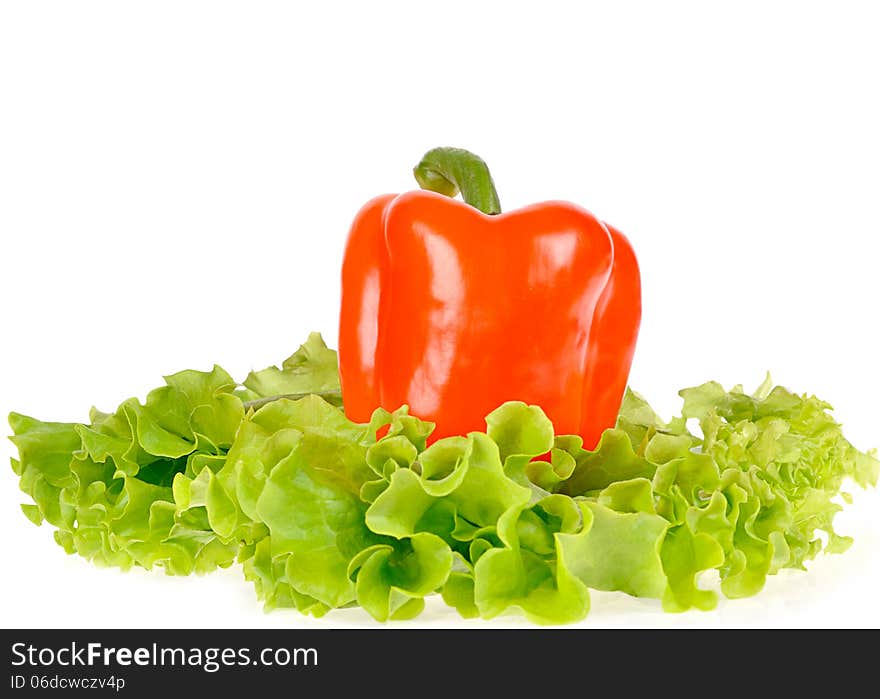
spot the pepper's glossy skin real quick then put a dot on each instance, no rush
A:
(612, 342)
(454, 312)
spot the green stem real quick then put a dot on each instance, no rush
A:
(334, 397)
(449, 171)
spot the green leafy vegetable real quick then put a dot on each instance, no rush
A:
(131, 487)
(313, 368)
(324, 513)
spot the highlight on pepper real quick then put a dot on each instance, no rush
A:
(474, 439)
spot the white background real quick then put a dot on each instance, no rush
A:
(177, 180)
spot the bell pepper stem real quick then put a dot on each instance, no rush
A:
(449, 171)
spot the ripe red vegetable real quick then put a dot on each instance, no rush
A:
(454, 308)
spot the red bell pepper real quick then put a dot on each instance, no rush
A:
(454, 308)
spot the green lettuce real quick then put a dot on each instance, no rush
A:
(106, 485)
(313, 368)
(324, 513)
(127, 488)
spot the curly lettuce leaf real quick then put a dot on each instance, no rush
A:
(133, 487)
(394, 578)
(313, 368)
(540, 583)
(298, 470)
(106, 486)
(324, 513)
